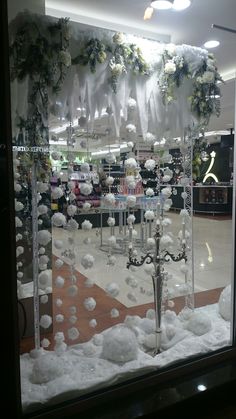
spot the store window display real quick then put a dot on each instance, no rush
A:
(122, 285)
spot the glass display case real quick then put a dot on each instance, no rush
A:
(112, 284)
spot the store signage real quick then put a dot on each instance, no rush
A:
(208, 172)
(31, 149)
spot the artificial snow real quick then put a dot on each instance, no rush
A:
(117, 354)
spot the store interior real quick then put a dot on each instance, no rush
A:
(124, 209)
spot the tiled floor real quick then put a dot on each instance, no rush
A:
(212, 252)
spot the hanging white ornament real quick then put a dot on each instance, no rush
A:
(45, 321)
(58, 219)
(73, 333)
(86, 225)
(85, 168)
(150, 164)
(90, 303)
(131, 201)
(59, 281)
(150, 192)
(86, 188)
(112, 289)
(87, 261)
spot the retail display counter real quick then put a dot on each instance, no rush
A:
(207, 199)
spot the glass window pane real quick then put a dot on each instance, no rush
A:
(123, 199)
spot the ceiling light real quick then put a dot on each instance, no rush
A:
(162, 4)
(181, 4)
(211, 44)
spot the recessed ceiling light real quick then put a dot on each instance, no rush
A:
(162, 4)
(211, 44)
(181, 4)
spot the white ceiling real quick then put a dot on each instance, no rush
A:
(191, 26)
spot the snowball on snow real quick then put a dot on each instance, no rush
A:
(120, 345)
(46, 368)
(199, 323)
(225, 303)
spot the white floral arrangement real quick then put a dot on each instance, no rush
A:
(150, 192)
(85, 168)
(110, 200)
(149, 138)
(44, 237)
(58, 219)
(109, 181)
(71, 210)
(86, 188)
(131, 201)
(56, 193)
(150, 164)
(118, 38)
(131, 163)
(111, 221)
(131, 128)
(149, 215)
(86, 225)
(87, 261)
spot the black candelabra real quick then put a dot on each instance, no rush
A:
(158, 258)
